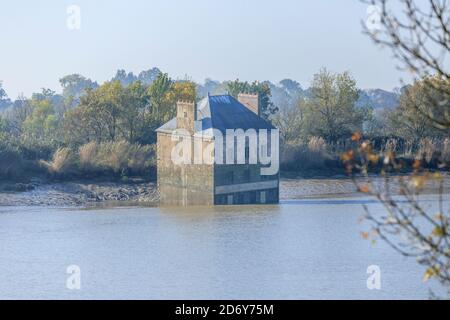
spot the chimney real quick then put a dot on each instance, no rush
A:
(186, 115)
(251, 101)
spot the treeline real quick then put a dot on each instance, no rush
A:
(317, 129)
(97, 130)
(109, 129)
(89, 129)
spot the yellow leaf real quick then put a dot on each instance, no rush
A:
(431, 272)
(438, 231)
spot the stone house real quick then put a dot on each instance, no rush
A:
(216, 182)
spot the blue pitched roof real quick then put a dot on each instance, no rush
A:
(229, 113)
(224, 112)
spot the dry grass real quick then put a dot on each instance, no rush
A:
(427, 149)
(114, 155)
(118, 157)
(304, 155)
(63, 162)
(88, 154)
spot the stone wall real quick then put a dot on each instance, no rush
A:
(182, 185)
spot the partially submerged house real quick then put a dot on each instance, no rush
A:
(200, 158)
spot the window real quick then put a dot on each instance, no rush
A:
(247, 175)
(263, 197)
(185, 114)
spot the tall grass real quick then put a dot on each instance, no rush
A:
(62, 163)
(315, 153)
(309, 154)
(88, 157)
(116, 158)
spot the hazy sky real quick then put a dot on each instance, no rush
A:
(219, 39)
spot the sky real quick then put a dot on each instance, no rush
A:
(217, 39)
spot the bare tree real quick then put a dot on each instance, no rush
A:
(418, 34)
(407, 224)
(419, 37)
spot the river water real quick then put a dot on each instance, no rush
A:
(300, 249)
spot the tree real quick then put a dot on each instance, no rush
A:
(135, 101)
(41, 124)
(3, 129)
(124, 78)
(158, 93)
(289, 120)
(75, 85)
(419, 37)
(100, 111)
(3, 94)
(331, 110)
(267, 108)
(4, 101)
(407, 121)
(291, 86)
(16, 115)
(148, 76)
(164, 93)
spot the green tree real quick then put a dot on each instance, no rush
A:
(409, 119)
(134, 108)
(75, 85)
(163, 95)
(158, 94)
(267, 108)
(98, 116)
(41, 124)
(289, 120)
(3, 129)
(331, 110)
(3, 94)
(4, 100)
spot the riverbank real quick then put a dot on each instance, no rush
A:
(144, 193)
(77, 193)
(89, 193)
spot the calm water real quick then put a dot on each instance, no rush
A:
(300, 249)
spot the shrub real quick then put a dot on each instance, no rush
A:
(117, 158)
(11, 162)
(88, 157)
(113, 155)
(140, 158)
(63, 162)
(305, 155)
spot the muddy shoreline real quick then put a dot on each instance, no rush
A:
(77, 194)
(142, 193)
(88, 193)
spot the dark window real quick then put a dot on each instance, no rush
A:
(247, 175)
(240, 198)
